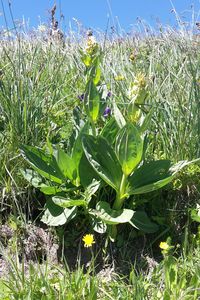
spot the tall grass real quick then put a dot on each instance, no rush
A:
(171, 64)
(38, 91)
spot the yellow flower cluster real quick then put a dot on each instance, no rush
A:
(92, 45)
(137, 94)
(132, 57)
(138, 89)
(139, 82)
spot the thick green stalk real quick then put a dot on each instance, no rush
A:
(119, 201)
(93, 127)
(120, 195)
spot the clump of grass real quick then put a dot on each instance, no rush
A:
(39, 89)
(170, 62)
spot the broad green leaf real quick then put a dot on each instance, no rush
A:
(154, 175)
(98, 225)
(49, 190)
(151, 172)
(118, 116)
(129, 148)
(97, 75)
(92, 101)
(56, 216)
(78, 124)
(68, 202)
(150, 176)
(110, 216)
(94, 71)
(44, 164)
(32, 177)
(146, 121)
(53, 190)
(182, 164)
(86, 172)
(86, 59)
(195, 217)
(91, 190)
(110, 131)
(77, 151)
(195, 214)
(141, 221)
(103, 160)
(151, 187)
(67, 166)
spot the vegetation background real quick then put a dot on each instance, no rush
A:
(41, 80)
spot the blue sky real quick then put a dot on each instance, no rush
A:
(95, 13)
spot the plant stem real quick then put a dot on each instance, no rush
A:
(118, 204)
(93, 128)
(120, 195)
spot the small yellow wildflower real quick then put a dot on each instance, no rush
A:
(88, 239)
(164, 246)
(119, 78)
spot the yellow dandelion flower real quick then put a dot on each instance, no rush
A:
(88, 239)
(164, 246)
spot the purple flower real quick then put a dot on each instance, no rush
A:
(81, 97)
(107, 112)
(109, 94)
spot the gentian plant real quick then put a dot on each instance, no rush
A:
(106, 152)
